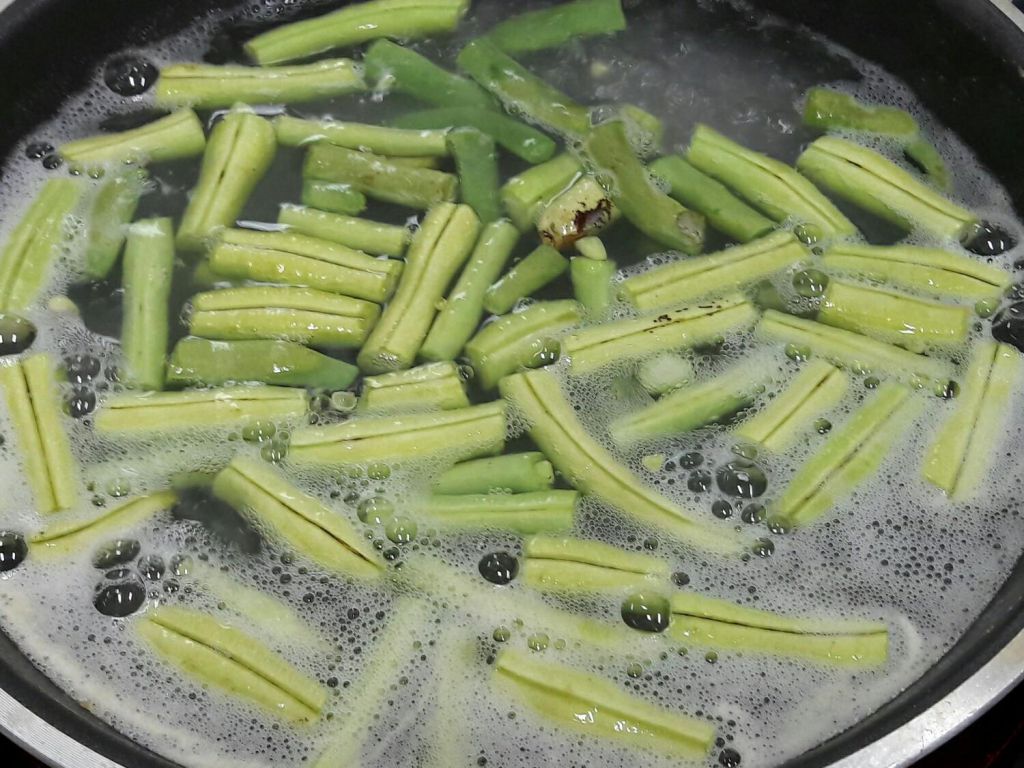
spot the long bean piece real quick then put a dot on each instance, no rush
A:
(476, 160)
(511, 473)
(333, 196)
(520, 139)
(569, 565)
(393, 67)
(397, 142)
(175, 137)
(74, 536)
(522, 513)
(148, 270)
(111, 210)
(528, 193)
(592, 283)
(360, 234)
(530, 274)
(557, 25)
(429, 387)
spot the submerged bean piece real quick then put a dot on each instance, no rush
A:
(522, 140)
(828, 110)
(381, 140)
(147, 276)
(336, 197)
(111, 210)
(76, 536)
(557, 25)
(545, 511)
(564, 564)
(527, 276)
(527, 194)
(592, 283)
(360, 234)
(511, 473)
(427, 387)
(392, 67)
(177, 136)
(476, 160)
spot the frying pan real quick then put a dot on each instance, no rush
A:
(965, 61)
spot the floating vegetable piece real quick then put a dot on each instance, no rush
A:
(597, 707)
(925, 156)
(520, 139)
(773, 187)
(35, 243)
(111, 210)
(460, 433)
(591, 566)
(588, 466)
(720, 624)
(557, 25)
(322, 534)
(33, 401)
(614, 342)
(360, 234)
(75, 536)
(525, 339)
(511, 473)
(962, 452)
(583, 210)
(168, 411)
(147, 275)
(814, 390)
(850, 455)
(664, 373)
(437, 252)
(282, 363)
(476, 160)
(303, 315)
(392, 142)
(524, 513)
(175, 137)
(332, 196)
(286, 258)
(392, 67)
(875, 183)
(716, 273)
(241, 149)
(428, 387)
(528, 275)
(829, 110)
(529, 193)
(220, 655)
(592, 283)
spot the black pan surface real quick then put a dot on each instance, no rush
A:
(963, 58)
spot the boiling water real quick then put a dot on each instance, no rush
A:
(895, 550)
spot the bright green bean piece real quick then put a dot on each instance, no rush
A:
(925, 156)
(526, 195)
(393, 67)
(476, 160)
(592, 283)
(830, 110)
(332, 196)
(555, 26)
(111, 210)
(148, 271)
(570, 565)
(429, 387)
(361, 234)
(520, 139)
(396, 142)
(526, 277)
(75, 536)
(522, 513)
(175, 137)
(512, 473)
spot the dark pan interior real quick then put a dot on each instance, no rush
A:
(962, 57)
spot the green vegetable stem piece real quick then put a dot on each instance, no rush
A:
(332, 196)
(462, 310)
(530, 274)
(303, 315)
(476, 160)
(851, 454)
(711, 622)
(513, 473)
(664, 373)
(571, 565)
(878, 185)
(202, 362)
(170, 411)
(438, 250)
(379, 177)
(649, 210)
(75, 536)
(355, 24)
(205, 86)
(524, 196)
(360, 234)
(435, 386)
(596, 707)
(522, 513)
(520, 91)
(925, 156)
(894, 317)
(851, 350)
(699, 192)
(522, 140)
(392, 67)
(34, 404)
(591, 248)
(682, 281)
(302, 521)
(241, 148)
(297, 132)
(814, 390)
(583, 210)
(609, 343)
(220, 655)
(592, 283)
(589, 467)
(557, 25)
(931, 270)
(290, 259)
(111, 209)
(959, 458)
(460, 433)
(769, 185)
(524, 339)
(694, 406)
(34, 243)
(148, 270)
(177, 136)
(830, 110)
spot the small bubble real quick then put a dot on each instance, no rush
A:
(646, 612)
(122, 599)
(52, 162)
(798, 352)
(82, 369)
(129, 75)
(871, 382)
(116, 552)
(721, 509)
(538, 641)
(650, 543)
(822, 426)
(947, 390)
(13, 550)
(810, 283)
(258, 431)
(699, 481)
(680, 579)
(764, 548)
(37, 150)
(401, 530)
(745, 450)
(498, 567)
(16, 334)
(378, 471)
(181, 565)
(119, 487)
(711, 657)
(635, 670)
(742, 479)
(375, 510)
(753, 514)
(691, 460)
(501, 635)
(729, 758)
(151, 567)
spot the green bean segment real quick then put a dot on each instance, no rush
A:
(460, 433)
(774, 187)
(522, 513)
(959, 458)
(871, 181)
(528, 275)
(588, 466)
(392, 67)
(205, 86)
(33, 401)
(322, 534)
(557, 25)
(563, 564)
(147, 276)
(291, 259)
(476, 160)
(437, 252)
(925, 156)
(360, 234)
(683, 281)
(170, 411)
(175, 137)
(218, 654)
(595, 707)
(529, 193)
(522, 140)
(828, 110)
(335, 197)
(511, 473)
(111, 210)
(718, 623)
(75, 536)
(664, 373)
(396, 142)
(429, 387)
(791, 413)
(592, 283)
